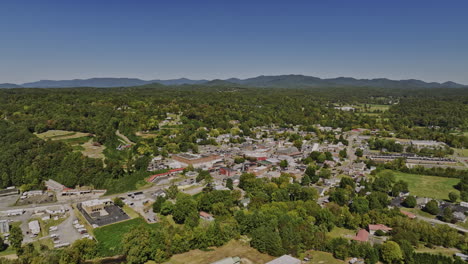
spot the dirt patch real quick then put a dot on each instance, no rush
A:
(93, 150)
(145, 134)
(60, 135)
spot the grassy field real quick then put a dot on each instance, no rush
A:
(461, 152)
(95, 152)
(8, 251)
(320, 257)
(130, 212)
(373, 107)
(232, 249)
(341, 232)
(437, 250)
(428, 186)
(110, 236)
(79, 141)
(61, 135)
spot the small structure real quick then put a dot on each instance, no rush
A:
(245, 202)
(206, 216)
(375, 228)
(34, 227)
(285, 259)
(159, 193)
(4, 226)
(362, 236)
(408, 214)
(459, 216)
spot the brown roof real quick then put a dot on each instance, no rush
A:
(205, 214)
(379, 227)
(362, 235)
(410, 215)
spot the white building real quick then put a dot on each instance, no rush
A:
(34, 227)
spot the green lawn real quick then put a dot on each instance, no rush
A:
(322, 257)
(428, 186)
(342, 232)
(461, 152)
(110, 237)
(437, 250)
(130, 212)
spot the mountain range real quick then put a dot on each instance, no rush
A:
(278, 81)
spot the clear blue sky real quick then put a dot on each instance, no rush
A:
(65, 39)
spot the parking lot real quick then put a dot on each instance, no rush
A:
(115, 214)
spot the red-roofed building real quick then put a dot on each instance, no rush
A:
(362, 236)
(374, 228)
(206, 216)
(408, 214)
(157, 177)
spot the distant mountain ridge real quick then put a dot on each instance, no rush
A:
(278, 81)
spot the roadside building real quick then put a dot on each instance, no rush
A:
(34, 227)
(96, 206)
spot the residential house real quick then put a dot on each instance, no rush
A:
(375, 228)
(206, 216)
(362, 236)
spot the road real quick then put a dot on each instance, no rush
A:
(148, 192)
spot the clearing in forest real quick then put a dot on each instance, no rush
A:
(61, 135)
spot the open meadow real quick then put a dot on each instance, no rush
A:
(428, 186)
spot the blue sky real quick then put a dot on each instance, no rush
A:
(67, 39)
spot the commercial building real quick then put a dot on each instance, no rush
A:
(96, 206)
(197, 160)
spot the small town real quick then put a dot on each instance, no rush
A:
(234, 132)
(61, 215)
